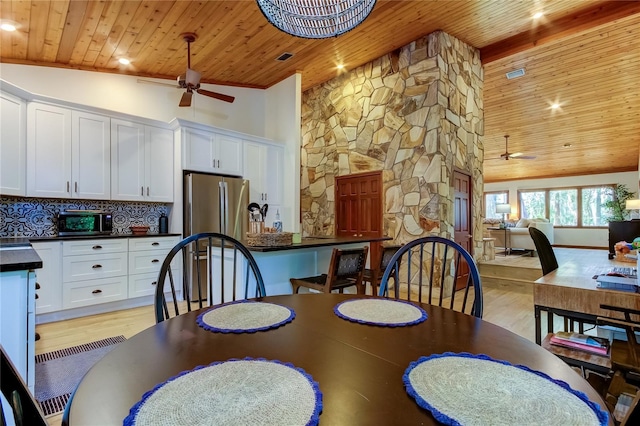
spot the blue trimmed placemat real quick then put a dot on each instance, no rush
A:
(245, 316)
(463, 388)
(382, 312)
(247, 391)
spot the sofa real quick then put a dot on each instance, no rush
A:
(517, 236)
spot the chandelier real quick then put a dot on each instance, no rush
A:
(316, 18)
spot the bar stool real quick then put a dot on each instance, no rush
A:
(345, 270)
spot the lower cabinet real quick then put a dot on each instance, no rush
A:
(83, 273)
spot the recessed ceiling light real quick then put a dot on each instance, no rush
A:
(124, 61)
(555, 105)
(340, 66)
(538, 15)
(8, 26)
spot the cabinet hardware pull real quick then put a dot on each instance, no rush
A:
(355, 235)
(214, 162)
(142, 190)
(96, 247)
(68, 187)
(147, 191)
(37, 297)
(96, 291)
(155, 243)
(37, 286)
(155, 261)
(360, 235)
(97, 266)
(154, 283)
(218, 163)
(75, 184)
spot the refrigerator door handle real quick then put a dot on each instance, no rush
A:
(189, 204)
(223, 207)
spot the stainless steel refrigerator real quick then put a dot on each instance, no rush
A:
(215, 203)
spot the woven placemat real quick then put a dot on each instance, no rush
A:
(235, 392)
(462, 388)
(245, 316)
(383, 312)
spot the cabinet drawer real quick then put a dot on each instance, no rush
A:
(145, 284)
(93, 266)
(106, 245)
(146, 261)
(153, 243)
(85, 293)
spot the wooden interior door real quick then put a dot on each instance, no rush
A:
(359, 208)
(462, 221)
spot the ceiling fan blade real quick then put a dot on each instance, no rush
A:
(515, 154)
(186, 99)
(525, 157)
(192, 77)
(216, 95)
(157, 83)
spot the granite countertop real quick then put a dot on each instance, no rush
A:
(16, 254)
(310, 242)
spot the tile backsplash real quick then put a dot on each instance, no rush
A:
(35, 217)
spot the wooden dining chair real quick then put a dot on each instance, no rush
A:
(374, 275)
(212, 268)
(346, 269)
(436, 271)
(544, 248)
(25, 410)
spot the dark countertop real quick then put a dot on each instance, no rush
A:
(97, 237)
(311, 242)
(16, 254)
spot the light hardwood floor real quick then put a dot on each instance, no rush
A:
(504, 305)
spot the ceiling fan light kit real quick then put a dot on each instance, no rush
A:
(316, 18)
(191, 79)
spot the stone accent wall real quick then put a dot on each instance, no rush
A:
(417, 115)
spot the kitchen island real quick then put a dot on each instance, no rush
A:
(309, 257)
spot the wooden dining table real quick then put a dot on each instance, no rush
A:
(359, 367)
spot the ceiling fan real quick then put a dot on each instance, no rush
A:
(509, 155)
(191, 79)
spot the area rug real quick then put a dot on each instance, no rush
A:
(59, 372)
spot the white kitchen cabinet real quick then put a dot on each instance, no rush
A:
(67, 153)
(264, 169)
(211, 152)
(141, 162)
(49, 279)
(17, 321)
(145, 260)
(13, 145)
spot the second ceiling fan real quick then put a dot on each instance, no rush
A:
(516, 155)
(191, 79)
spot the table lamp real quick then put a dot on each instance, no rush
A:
(634, 206)
(505, 209)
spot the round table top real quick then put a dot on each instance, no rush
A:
(359, 367)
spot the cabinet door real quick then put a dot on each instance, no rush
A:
(199, 151)
(48, 151)
(13, 318)
(159, 164)
(127, 161)
(13, 145)
(274, 169)
(90, 145)
(228, 154)
(49, 278)
(254, 155)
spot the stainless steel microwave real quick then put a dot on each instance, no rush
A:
(84, 222)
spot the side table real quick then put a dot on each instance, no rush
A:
(507, 250)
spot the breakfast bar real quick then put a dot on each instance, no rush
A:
(309, 257)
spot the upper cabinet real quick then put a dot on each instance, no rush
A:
(13, 142)
(264, 169)
(67, 153)
(212, 152)
(141, 162)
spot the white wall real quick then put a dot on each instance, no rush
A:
(123, 93)
(283, 125)
(569, 237)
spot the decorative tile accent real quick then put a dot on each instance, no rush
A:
(36, 217)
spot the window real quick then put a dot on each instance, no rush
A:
(491, 200)
(568, 207)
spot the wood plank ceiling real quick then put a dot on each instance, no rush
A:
(583, 53)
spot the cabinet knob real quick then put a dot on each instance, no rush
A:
(98, 291)
(96, 247)
(155, 243)
(155, 261)
(97, 266)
